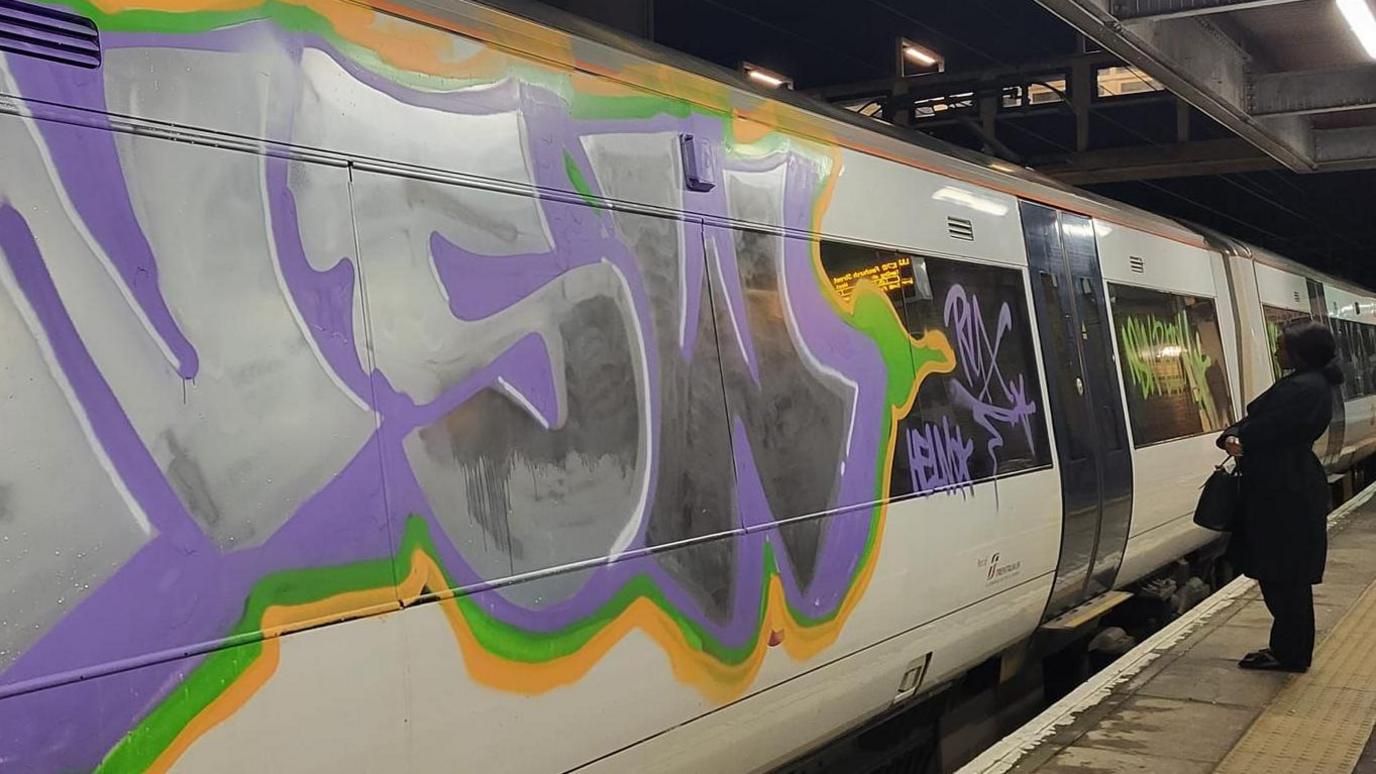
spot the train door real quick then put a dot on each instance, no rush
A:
(1085, 400)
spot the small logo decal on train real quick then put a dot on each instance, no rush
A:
(997, 570)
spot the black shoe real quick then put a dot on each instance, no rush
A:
(1265, 660)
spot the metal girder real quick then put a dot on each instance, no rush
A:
(1314, 91)
(932, 85)
(1132, 10)
(1205, 157)
(1201, 65)
(1340, 149)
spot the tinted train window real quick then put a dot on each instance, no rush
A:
(987, 417)
(1276, 319)
(1368, 366)
(1355, 357)
(1342, 334)
(849, 265)
(1171, 353)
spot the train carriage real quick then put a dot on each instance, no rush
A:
(444, 387)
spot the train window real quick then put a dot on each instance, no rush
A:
(1171, 354)
(1356, 355)
(984, 419)
(1368, 367)
(1342, 336)
(1356, 349)
(1361, 354)
(1277, 318)
(894, 273)
(1351, 353)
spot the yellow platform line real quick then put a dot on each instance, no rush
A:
(1320, 722)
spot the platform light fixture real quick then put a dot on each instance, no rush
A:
(914, 55)
(1362, 20)
(766, 77)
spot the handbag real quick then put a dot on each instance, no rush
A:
(1221, 499)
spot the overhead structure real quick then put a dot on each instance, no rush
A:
(1106, 122)
(1294, 78)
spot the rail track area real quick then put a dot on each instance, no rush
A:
(1176, 702)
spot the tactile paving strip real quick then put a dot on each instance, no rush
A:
(1320, 721)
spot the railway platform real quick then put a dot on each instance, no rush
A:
(1178, 704)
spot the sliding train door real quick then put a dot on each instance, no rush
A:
(1085, 400)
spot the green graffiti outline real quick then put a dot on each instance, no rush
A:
(873, 315)
(1149, 333)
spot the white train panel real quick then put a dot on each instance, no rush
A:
(762, 732)
(1166, 488)
(878, 201)
(1136, 258)
(1282, 289)
(1149, 551)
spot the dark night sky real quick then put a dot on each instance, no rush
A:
(1327, 221)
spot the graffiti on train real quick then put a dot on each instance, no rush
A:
(1164, 357)
(982, 419)
(248, 394)
(939, 457)
(997, 401)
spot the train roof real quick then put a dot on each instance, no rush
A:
(531, 29)
(1228, 245)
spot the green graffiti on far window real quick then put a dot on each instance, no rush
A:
(1273, 333)
(1276, 320)
(1165, 357)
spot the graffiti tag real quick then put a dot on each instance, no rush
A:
(997, 402)
(939, 457)
(1164, 359)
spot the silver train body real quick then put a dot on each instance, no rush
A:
(420, 387)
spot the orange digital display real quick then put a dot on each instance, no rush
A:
(888, 276)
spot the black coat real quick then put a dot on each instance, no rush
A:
(1282, 537)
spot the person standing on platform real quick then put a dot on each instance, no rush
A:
(1281, 539)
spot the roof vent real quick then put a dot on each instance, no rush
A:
(1137, 265)
(47, 33)
(960, 228)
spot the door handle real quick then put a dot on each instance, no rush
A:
(1080, 386)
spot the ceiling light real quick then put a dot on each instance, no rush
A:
(1362, 21)
(765, 77)
(926, 60)
(918, 55)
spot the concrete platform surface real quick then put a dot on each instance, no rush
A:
(1179, 703)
